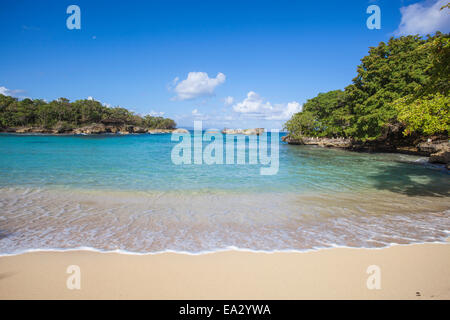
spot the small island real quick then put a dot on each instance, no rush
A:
(86, 116)
(255, 131)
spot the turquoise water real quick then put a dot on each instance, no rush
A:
(143, 162)
(113, 192)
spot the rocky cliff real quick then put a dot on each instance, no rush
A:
(436, 148)
(95, 128)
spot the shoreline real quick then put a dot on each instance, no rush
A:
(437, 151)
(150, 132)
(71, 133)
(416, 271)
(213, 251)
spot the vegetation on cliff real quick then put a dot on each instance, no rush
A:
(64, 115)
(403, 83)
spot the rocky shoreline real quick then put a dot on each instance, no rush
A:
(256, 131)
(436, 148)
(100, 128)
(95, 128)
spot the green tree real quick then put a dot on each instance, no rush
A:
(427, 111)
(406, 71)
(389, 72)
(426, 115)
(301, 124)
(63, 114)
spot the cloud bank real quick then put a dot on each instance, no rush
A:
(254, 106)
(424, 18)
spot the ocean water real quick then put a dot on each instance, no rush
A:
(113, 192)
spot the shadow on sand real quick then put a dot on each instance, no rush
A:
(413, 180)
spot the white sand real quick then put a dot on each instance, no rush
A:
(407, 272)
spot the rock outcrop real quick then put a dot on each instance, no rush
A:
(112, 129)
(433, 146)
(28, 130)
(256, 131)
(22, 130)
(180, 131)
(436, 148)
(440, 152)
(322, 142)
(139, 130)
(95, 128)
(158, 131)
(440, 157)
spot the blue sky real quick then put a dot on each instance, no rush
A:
(229, 63)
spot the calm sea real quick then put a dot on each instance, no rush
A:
(112, 192)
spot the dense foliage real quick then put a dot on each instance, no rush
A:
(427, 115)
(427, 110)
(62, 113)
(405, 81)
(325, 115)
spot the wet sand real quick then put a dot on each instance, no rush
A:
(420, 271)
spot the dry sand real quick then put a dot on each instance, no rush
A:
(407, 272)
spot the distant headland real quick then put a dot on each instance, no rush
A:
(79, 117)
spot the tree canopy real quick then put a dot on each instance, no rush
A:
(404, 81)
(62, 112)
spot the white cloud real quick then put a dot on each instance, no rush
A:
(286, 111)
(8, 92)
(228, 101)
(90, 98)
(4, 91)
(254, 106)
(424, 18)
(197, 84)
(195, 112)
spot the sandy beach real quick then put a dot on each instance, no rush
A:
(419, 271)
